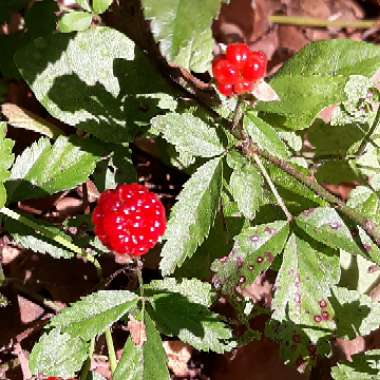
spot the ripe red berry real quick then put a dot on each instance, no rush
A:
(225, 89)
(129, 220)
(224, 71)
(243, 87)
(238, 54)
(256, 66)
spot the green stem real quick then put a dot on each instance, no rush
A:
(51, 235)
(141, 283)
(273, 188)
(111, 350)
(322, 23)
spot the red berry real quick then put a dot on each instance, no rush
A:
(225, 89)
(256, 66)
(129, 220)
(224, 71)
(243, 87)
(238, 54)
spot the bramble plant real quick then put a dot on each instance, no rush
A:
(254, 201)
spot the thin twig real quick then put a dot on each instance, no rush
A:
(273, 188)
(322, 23)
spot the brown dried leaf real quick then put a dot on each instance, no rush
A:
(137, 331)
(178, 354)
(22, 118)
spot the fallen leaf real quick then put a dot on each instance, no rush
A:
(178, 354)
(137, 331)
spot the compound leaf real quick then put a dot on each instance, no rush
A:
(93, 314)
(58, 354)
(193, 215)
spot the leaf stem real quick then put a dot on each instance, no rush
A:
(51, 235)
(273, 188)
(322, 23)
(139, 265)
(111, 349)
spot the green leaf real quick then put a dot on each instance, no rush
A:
(315, 78)
(75, 21)
(188, 134)
(183, 29)
(264, 136)
(365, 199)
(58, 354)
(96, 80)
(143, 363)
(6, 160)
(364, 366)
(44, 169)
(333, 140)
(29, 239)
(194, 290)
(355, 314)
(326, 226)
(93, 314)
(304, 280)
(335, 57)
(177, 315)
(193, 215)
(247, 189)
(84, 4)
(100, 6)
(295, 193)
(254, 251)
(302, 98)
(337, 172)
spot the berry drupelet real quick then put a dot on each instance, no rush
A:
(237, 71)
(129, 220)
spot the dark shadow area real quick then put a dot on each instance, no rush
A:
(348, 317)
(173, 313)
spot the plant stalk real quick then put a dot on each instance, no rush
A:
(57, 238)
(111, 350)
(273, 188)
